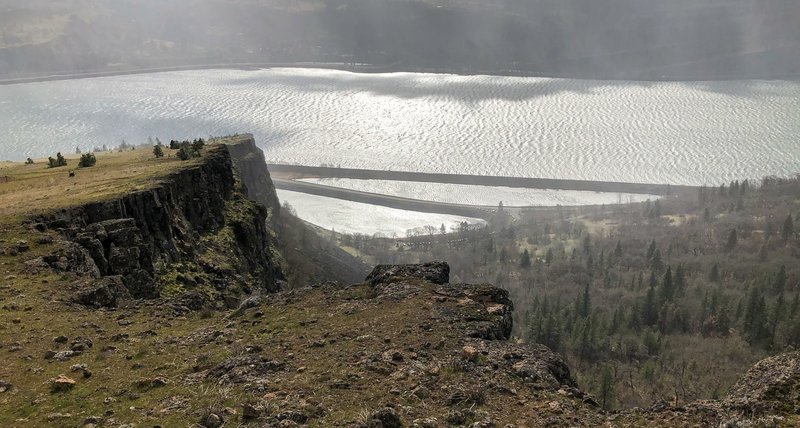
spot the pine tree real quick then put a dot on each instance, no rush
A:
(657, 263)
(680, 280)
(788, 228)
(667, 286)
(525, 259)
(651, 250)
(650, 308)
(713, 276)
(548, 257)
(586, 303)
(779, 280)
(606, 387)
(730, 244)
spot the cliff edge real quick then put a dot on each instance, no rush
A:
(163, 306)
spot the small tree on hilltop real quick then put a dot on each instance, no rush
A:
(87, 160)
(198, 144)
(29, 161)
(57, 162)
(158, 151)
(184, 153)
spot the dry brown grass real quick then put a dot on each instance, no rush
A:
(28, 189)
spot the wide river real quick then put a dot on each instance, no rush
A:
(658, 132)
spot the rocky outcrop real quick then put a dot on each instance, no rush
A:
(309, 257)
(251, 164)
(137, 236)
(435, 272)
(772, 386)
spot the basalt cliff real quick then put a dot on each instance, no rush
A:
(183, 303)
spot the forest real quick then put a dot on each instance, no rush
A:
(608, 39)
(668, 300)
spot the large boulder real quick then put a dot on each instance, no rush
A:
(772, 386)
(103, 292)
(435, 272)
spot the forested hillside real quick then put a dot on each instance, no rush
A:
(671, 299)
(628, 39)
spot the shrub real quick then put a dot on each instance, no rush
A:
(29, 161)
(184, 153)
(188, 149)
(158, 151)
(198, 144)
(87, 160)
(58, 161)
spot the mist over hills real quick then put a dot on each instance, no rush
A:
(604, 39)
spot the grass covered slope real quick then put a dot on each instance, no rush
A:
(29, 189)
(212, 344)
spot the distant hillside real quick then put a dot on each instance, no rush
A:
(630, 39)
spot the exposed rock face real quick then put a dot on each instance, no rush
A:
(252, 166)
(105, 292)
(771, 386)
(435, 272)
(134, 236)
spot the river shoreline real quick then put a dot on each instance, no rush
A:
(354, 68)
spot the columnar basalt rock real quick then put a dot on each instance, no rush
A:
(134, 237)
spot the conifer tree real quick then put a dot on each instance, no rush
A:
(788, 228)
(525, 259)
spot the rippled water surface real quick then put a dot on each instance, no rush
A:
(682, 133)
(482, 195)
(355, 217)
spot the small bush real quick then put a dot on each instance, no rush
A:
(187, 149)
(184, 153)
(87, 160)
(57, 162)
(29, 161)
(158, 151)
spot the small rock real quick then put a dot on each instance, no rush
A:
(469, 353)
(253, 349)
(61, 355)
(4, 386)
(60, 339)
(425, 423)
(147, 384)
(61, 384)
(78, 367)
(421, 392)
(92, 420)
(56, 416)
(44, 240)
(250, 412)
(387, 418)
(80, 344)
(211, 420)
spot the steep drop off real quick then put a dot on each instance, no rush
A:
(404, 347)
(194, 228)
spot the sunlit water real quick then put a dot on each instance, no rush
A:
(355, 217)
(482, 195)
(680, 133)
